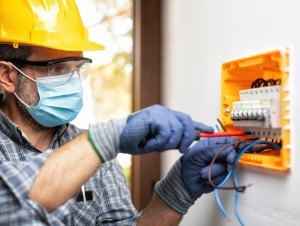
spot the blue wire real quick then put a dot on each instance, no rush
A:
(235, 207)
(275, 146)
(235, 203)
(235, 175)
(222, 209)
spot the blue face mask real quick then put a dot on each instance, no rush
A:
(60, 100)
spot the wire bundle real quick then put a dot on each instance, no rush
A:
(264, 144)
(260, 82)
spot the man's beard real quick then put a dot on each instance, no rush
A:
(30, 96)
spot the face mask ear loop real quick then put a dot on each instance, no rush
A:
(23, 73)
(21, 100)
(26, 77)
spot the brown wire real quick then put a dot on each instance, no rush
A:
(222, 125)
(237, 188)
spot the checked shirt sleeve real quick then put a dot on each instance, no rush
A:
(16, 208)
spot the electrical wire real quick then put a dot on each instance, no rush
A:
(273, 145)
(222, 209)
(237, 188)
(220, 186)
(218, 128)
(260, 82)
(235, 208)
(277, 81)
(222, 125)
(236, 143)
(232, 172)
(216, 192)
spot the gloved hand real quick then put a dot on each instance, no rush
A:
(158, 128)
(195, 165)
(188, 178)
(155, 128)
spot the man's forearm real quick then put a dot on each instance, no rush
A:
(63, 173)
(159, 213)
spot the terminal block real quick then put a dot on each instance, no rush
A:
(255, 99)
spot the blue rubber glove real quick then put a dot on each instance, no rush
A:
(158, 128)
(195, 164)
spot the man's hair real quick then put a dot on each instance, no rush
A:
(7, 51)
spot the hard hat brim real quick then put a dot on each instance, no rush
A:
(83, 46)
(76, 46)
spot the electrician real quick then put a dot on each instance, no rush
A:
(45, 160)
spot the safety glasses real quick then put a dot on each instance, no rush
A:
(64, 66)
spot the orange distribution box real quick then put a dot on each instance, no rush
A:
(238, 75)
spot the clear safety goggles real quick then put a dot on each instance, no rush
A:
(64, 66)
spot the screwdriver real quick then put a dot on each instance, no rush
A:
(220, 134)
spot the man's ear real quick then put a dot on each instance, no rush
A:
(7, 77)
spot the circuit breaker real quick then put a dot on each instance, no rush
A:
(255, 98)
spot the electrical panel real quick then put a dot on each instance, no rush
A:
(255, 99)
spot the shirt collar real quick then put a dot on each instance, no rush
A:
(11, 130)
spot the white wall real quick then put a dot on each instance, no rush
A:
(199, 36)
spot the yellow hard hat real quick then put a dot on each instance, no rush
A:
(54, 24)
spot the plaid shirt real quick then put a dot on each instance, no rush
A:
(109, 201)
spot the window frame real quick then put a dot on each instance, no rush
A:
(146, 88)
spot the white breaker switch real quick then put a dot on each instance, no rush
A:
(259, 111)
